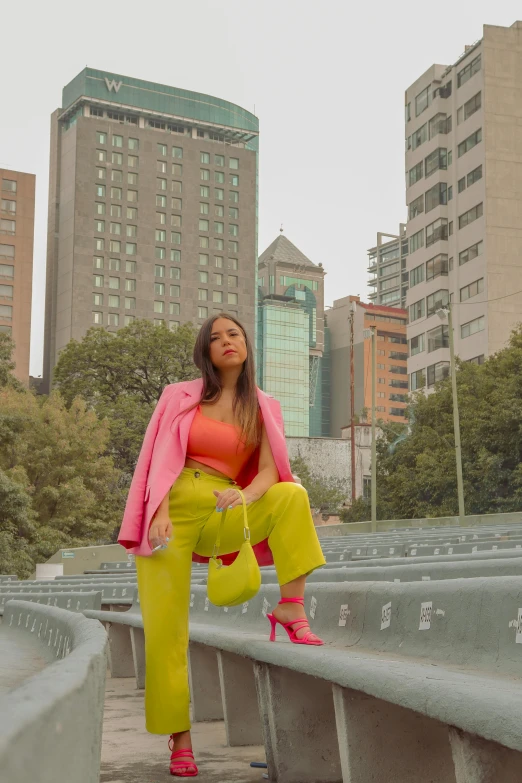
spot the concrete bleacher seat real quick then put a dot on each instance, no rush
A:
(454, 643)
(50, 722)
(73, 601)
(112, 593)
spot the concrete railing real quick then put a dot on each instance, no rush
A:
(51, 724)
(406, 666)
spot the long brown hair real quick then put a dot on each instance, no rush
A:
(245, 405)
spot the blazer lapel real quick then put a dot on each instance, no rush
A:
(193, 394)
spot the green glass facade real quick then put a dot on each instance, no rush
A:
(283, 363)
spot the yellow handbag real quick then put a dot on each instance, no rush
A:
(239, 582)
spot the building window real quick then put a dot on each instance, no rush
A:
(232, 298)
(159, 289)
(219, 210)
(175, 238)
(203, 276)
(461, 184)
(175, 203)
(205, 174)
(417, 344)
(204, 191)
(175, 255)
(219, 244)
(116, 193)
(233, 247)
(469, 143)
(436, 196)
(6, 205)
(161, 235)
(437, 266)
(438, 159)
(174, 290)
(203, 259)
(202, 294)
(162, 150)
(470, 253)
(417, 275)
(97, 318)
(219, 194)
(159, 306)
(218, 278)
(130, 266)
(99, 226)
(130, 303)
(117, 158)
(161, 218)
(202, 312)
(217, 296)
(219, 228)
(204, 242)
(6, 291)
(416, 207)
(130, 284)
(114, 264)
(436, 301)
(436, 231)
(101, 156)
(417, 310)
(219, 177)
(437, 372)
(97, 262)
(471, 290)
(417, 241)
(101, 173)
(233, 163)
(218, 262)
(161, 201)
(132, 161)
(114, 282)
(472, 214)
(99, 244)
(132, 178)
(97, 300)
(476, 359)
(174, 308)
(474, 176)
(417, 380)
(204, 208)
(416, 173)
(177, 152)
(97, 281)
(117, 141)
(233, 230)
(232, 281)
(438, 338)
(422, 100)
(233, 213)
(101, 138)
(133, 144)
(419, 137)
(469, 108)
(160, 252)
(159, 270)
(116, 210)
(177, 186)
(203, 225)
(177, 170)
(161, 184)
(114, 300)
(440, 123)
(234, 180)
(204, 157)
(468, 71)
(116, 228)
(233, 196)
(132, 195)
(175, 221)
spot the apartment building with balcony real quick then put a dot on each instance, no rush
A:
(388, 276)
(464, 198)
(17, 191)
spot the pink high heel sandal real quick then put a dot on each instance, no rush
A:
(293, 626)
(177, 763)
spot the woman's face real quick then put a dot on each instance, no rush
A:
(227, 345)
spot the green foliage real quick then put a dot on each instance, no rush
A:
(326, 495)
(121, 376)
(7, 364)
(359, 511)
(57, 486)
(417, 478)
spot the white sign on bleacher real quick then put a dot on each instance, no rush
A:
(343, 615)
(425, 616)
(386, 616)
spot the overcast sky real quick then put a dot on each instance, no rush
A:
(326, 79)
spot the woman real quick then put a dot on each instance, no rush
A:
(205, 438)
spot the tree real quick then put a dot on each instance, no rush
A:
(6, 363)
(58, 487)
(326, 494)
(417, 478)
(121, 376)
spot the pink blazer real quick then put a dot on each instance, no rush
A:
(162, 458)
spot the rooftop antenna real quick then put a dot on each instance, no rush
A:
(281, 229)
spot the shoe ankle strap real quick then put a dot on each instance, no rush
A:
(292, 601)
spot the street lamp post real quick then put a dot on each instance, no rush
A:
(372, 332)
(443, 313)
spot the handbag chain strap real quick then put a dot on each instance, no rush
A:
(246, 529)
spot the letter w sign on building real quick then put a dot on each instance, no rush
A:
(112, 84)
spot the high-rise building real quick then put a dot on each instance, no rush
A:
(289, 280)
(388, 280)
(391, 346)
(152, 209)
(463, 191)
(16, 263)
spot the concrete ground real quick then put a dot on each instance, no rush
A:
(131, 755)
(22, 655)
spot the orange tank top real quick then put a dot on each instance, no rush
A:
(218, 445)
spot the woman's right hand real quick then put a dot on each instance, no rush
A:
(160, 531)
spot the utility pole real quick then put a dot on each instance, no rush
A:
(353, 308)
(374, 443)
(456, 418)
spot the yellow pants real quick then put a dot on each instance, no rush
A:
(282, 515)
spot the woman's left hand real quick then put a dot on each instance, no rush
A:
(230, 498)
